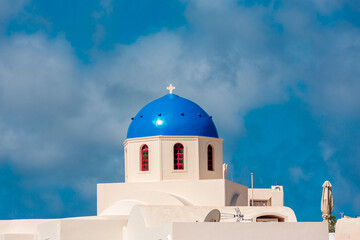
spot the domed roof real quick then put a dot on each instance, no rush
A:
(172, 115)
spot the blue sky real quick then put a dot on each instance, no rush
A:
(280, 78)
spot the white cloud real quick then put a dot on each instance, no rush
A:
(54, 117)
(297, 174)
(326, 150)
(10, 7)
(107, 5)
(328, 6)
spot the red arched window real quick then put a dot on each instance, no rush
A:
(178, 157)
(210, 158)
(144, 158)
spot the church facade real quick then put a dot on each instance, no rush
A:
(175, 187)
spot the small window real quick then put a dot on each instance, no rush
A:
(259, 203)
(178, 157)
(270, 218)
(144, 158)
(210, 158)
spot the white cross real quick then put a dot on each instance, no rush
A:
(170, 88)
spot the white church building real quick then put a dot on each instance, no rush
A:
(175, 188)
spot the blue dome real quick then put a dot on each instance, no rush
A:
(172, 115)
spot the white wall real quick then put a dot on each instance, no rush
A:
(92, 228)
(213, 192)
(158, 215)
(176, 222)
(132, 160)
(191, 158)
(235, 194)
(26, 226)
(347, 229)
(161, 158)
(250, 231)
(50, 230)
(275, 194)
(216, 143)
(17, 237)
(137, 228)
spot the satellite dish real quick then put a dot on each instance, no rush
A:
(213, 216)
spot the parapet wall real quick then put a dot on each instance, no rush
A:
(251, 231)
(347, 229)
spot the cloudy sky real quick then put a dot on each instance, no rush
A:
(280, 78)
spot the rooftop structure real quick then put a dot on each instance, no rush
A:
(175, 188)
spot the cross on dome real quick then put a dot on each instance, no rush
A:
(170, 88)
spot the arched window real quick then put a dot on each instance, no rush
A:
(144, 162)
(178, 157)
(210, 158)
